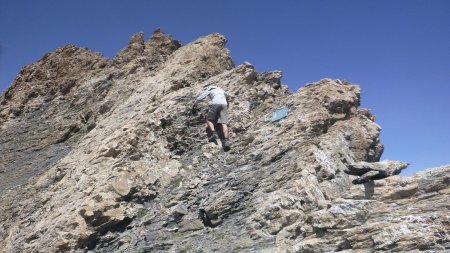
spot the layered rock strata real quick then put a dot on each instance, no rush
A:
(103, 155)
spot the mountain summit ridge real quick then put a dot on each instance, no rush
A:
(103, 154)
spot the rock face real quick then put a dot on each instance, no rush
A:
(102, 154)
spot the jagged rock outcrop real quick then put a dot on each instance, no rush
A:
(375, 170)
(108, 158)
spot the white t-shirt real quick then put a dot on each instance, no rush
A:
(217, 94)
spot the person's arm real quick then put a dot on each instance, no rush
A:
(201, 97)
(198, 99)
(227, 98)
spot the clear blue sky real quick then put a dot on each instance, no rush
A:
(397, 51)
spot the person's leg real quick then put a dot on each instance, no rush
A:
(214, 136)
(224, 130)
(225, 141)
(223, 120)
(210, 119)
(210, 124)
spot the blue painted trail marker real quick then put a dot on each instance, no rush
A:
(280, 113)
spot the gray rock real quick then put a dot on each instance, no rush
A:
(180, 209)
(376, 170)
(85, 174)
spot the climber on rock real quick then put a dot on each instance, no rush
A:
(217, 113)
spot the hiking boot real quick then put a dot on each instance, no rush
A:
(214, 136)
(226, 144)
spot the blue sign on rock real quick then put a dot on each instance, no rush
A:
(280, 113)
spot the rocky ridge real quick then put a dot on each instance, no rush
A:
(103, 155)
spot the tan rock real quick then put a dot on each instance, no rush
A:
(103, 155)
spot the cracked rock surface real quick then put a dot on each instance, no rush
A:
(103, 155)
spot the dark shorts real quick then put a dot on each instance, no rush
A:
(218, 113)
